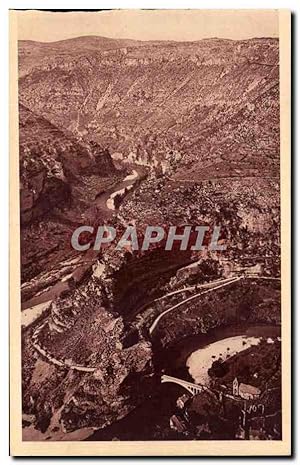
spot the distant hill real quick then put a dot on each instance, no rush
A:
(79, 44)
(32, 52)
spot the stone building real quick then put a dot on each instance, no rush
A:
(245, 391)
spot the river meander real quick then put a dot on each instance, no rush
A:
(154, 413)
(106, 202)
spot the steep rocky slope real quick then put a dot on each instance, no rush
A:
(213, 101)
(250, 301)
(204, 118)
(76, 374)
(59, 178)
(51, 161)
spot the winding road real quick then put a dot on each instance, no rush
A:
(214, 287)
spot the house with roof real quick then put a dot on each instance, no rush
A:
(245, 391)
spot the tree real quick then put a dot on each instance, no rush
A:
(218, 369)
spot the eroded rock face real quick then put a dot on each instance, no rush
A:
(76, 373)
(247, 209)
(211, 103)
(204, 117)
(248, 301)
(60, 176)
(51, 162)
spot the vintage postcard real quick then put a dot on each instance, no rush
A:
(150, 232)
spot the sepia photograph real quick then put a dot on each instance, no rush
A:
(150, 232)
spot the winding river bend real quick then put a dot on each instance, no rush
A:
(150, 418)
(105, 201)
(188, 358)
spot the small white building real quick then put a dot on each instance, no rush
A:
(245, 391)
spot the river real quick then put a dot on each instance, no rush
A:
(150, 420)
(199, 362)
(105, 201)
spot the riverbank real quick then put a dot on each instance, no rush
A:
(150, 421)
(106, 203)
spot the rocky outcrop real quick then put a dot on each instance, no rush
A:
(51, 162)
(41, 194)
(204, 117)
(248, 301)
(89, 379)
(214, 102)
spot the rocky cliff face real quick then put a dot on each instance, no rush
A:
(60, 175)
(244, 302)
(76, 373)
(207, 100)
(51, 161)
(204, 116)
